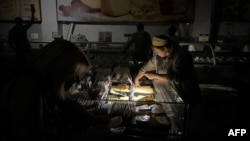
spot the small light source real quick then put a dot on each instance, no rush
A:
(246, 48)
(34, 36)
(56, 35)
(203, 37)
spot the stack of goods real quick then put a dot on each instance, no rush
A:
(121, 92)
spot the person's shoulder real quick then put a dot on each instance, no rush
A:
(179, 49)
(135, 34)
(147, 34)
(13, 28)
(183, 52)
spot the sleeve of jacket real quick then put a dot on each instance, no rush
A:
(150, 65)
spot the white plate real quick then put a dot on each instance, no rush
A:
(143, 107)
(143, 118)
(115, 121)
(157, 110)
(117, 130)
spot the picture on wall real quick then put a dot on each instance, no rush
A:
(125, 11)
(10, 9)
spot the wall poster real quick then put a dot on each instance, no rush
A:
(125, 11)
(10, 9)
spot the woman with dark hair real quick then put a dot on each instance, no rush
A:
(36, 104)
(172, 72)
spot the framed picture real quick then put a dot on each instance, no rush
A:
(125, 11)
(10, 9)
(235, 11)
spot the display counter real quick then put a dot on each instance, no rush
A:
(145, 112)
(148, 123)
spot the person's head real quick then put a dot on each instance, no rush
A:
(162, 45)
(58, 66)
(140, 26)
(18, 21)
(172, 31)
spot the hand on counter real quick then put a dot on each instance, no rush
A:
(137, 83)
(137, 78)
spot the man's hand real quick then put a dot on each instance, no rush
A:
(137, 78)
(137, 83)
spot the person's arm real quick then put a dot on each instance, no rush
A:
(137, 78)
(149, 66)
(157, 77)
(92, 125)
(128, 44)
(31, 22)
(80, 116)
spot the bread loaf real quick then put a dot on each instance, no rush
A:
(125, 88)
(121, 88)
(144, 90)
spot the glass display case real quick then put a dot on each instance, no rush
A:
(203, 54)
(219, 54)
(146, 114)
(113, 95)
(232, 54)
(216, 62)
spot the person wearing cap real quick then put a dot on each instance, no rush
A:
(171, 65)
(172, 72)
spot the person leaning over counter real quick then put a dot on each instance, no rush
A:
(171, 68)
(36, 104)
